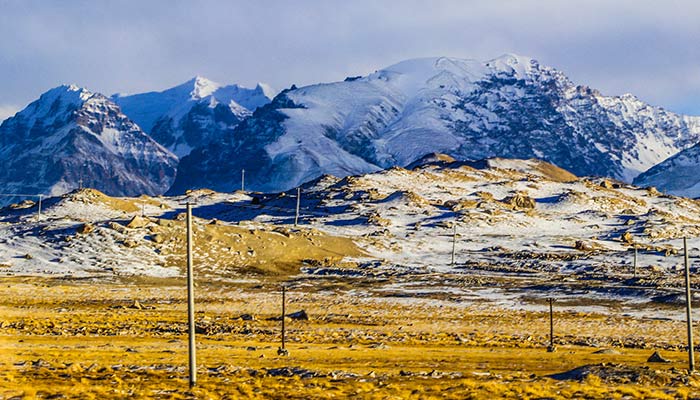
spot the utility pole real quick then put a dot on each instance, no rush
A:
(190, 299)
(242, 180)
(284, 301)
(296, 215)
(39, 196)
(454, 242)
(688, 297)
(282, 351)
(551, 348)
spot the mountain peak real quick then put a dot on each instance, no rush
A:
(202, 87)
(265, 89)
(412, 75)
(71, 134)
(194, 113)
(68, 92)
(512, 59)
(54, 103)
(427, 65)
(520, 65)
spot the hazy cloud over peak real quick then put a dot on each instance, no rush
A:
(7, 111)
(642, 47)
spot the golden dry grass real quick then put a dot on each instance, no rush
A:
(227, 250)
(123, 204)
(81, 339)
(554, 173)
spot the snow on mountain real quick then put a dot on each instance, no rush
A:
(194, 113)
(71, 135)
(511, 107)
(523, 217)
(677, 175)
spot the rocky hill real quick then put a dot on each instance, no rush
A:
(526, 217)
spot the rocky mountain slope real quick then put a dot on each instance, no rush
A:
(69, 137)
(508, 107)
(678, 175)
(193, 114)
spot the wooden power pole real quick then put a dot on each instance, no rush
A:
(454, 243)
(296, 214)
(190, 300)
(688, 310)
(551, 347)
(282, 351)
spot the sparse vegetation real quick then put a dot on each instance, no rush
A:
(368, 263)
(87, 340)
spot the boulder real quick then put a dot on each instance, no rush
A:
(582, 246)
(86, 228)
(627, 237)
(657, 358)
(117, 227)
(520, 201)
(299, 315)
(136, 305)
(137, 222)
(130, 243)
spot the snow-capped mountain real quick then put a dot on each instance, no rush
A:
(71, 136)
(510, 107)
(193, 114)
(678, 175)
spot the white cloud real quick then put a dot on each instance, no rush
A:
(646, 48)
(7, 111)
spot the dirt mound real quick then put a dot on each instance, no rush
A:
(617, 373)
(93, 196)
(607, 351)
(376, 219)
(200, 192)
(138, 222)
(554, 173)
(458, 205)
(405, 197)
(676, 299)
(85, 229)
(431, 159)
(657, 358)
(263, 250)
(573, 197)
(520, 201)
(531, 166)
(22, 205)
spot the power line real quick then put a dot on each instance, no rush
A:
(40, 196)
(20, 195)
(275, 208)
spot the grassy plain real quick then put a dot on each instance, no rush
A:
(88, 339)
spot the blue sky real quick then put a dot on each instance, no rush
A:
(647, 48)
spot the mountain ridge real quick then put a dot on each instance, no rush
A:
(677, 175)
(194, 113)
(70, 137)
(511, 107)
